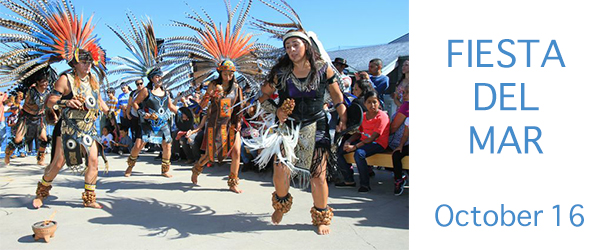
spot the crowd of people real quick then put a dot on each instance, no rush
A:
(232, 110)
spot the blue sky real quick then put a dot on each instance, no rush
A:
(338, 23)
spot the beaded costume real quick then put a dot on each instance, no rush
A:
(147, 52)
(303, 140)
(212, 51)
(31, 125)
(302, 143)
(223, 117)
(78, 127)
(47, 32)
(158, 128)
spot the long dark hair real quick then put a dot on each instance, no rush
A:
(149, 85)
(285, 62)
(365, 86)
(402, 75)
(371, 94)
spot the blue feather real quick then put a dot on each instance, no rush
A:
(44, 58)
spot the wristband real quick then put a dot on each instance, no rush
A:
(56, 92)
(340, 103)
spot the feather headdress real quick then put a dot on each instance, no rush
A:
(278, 30)
(142, 43)
(293, 28)
(213, 45)
(18, 81)
(51, 31)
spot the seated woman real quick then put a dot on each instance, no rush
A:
(359, 90)
(399, 139)
(372, 139)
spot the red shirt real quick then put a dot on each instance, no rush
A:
(380, 124)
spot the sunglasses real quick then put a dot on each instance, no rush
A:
(86, 60)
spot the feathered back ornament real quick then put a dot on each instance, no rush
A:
(294, 28)
(141, 42)
(51, 31)
(20, 82)
(278, 30)
(214, 45)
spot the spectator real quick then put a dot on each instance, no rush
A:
(125, 143)
(196, 136)
(181, 142)
(112, 101)
(248, 131)
(397, 155)
(374, 136)
(380, 82)
(403, 82)
(399, 140)
(12, 120)
(360, 89)
(346, 87)
(3, 131)
(340, 65)
(113, 126)
(13, 110)
(122, 106)
(361, 75)
(106, 140)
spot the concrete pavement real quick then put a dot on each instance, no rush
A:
(147, 211)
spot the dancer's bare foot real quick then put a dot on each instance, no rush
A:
(323, 229)
(276, 217)
(195, 178)
(196, 171)
(235, 189)
(167, 175)
(37, 203)
(128, 171)
(93, 205)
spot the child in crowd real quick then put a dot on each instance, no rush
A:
(125, 143)
(372, 139)
(11, 121)
(3, 133)
(106, 139)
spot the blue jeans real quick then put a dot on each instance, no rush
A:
(247, 157)
(360, 157)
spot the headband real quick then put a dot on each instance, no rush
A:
(153, 72)
(226, 65)
(299, 34)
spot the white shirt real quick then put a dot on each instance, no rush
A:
(106, 139)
